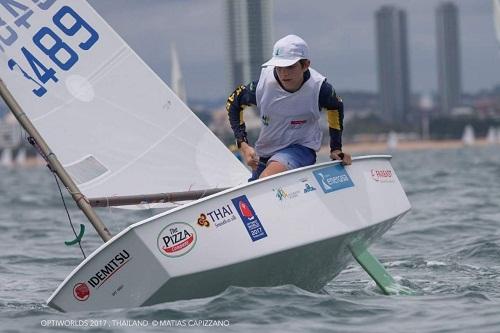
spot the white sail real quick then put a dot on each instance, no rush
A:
(176, 78)
(21, 156)
(468, 137)
(491, 137)
(496, 17)
(113, 124)
(6, 158)
(392, 140)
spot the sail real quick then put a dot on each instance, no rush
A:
(116, 127)
(496, 17)
(176, 78)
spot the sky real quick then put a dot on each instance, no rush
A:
(340, 35)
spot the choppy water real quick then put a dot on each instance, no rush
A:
(447, 250)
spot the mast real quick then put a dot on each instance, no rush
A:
(54, 163)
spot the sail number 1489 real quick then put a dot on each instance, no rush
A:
(52, 45)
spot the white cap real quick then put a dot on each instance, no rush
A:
(287, 51)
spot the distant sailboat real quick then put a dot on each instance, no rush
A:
(491, 137)
(392, 140)
(20, 158)
(176, 79)
(6, 157)
(468, 137)
(496, 17)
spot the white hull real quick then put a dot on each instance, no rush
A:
(293, 228)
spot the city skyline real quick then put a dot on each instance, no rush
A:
(343, 48)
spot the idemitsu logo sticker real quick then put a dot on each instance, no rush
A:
(81, 291)
(176, 239)
(333, 178)
(249, 218)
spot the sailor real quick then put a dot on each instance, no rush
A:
(289, 96)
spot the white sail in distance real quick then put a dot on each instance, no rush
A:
(116, 127)
(176, 78)
(496, 18)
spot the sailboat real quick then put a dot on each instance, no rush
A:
(496, 17)
(6, 157)
(392, 140)
(116, 134)
(176, 78)
(468, 137)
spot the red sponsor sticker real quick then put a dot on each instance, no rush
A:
(176, 239)
(81, 291)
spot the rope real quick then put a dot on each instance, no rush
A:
(69, 217)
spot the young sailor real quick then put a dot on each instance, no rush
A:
(289, 96)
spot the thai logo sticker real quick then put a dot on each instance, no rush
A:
(218, 217)
(202, 221)
(333, 178)
(81, 292)
(250, 219)
(382, 175)
(176, 239)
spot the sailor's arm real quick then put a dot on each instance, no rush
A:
(242, 97)
(329, 101)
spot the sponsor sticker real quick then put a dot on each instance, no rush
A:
(176, 239)
(382, 175)
(218, 217)
(108, 270)
(333, 178)
(81, 291)
(249, 217)
(308, 188)
(281, 194)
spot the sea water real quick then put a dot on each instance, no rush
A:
(447, 250)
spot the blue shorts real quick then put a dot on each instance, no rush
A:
(293, 156)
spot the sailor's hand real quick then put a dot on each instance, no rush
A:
(339, 155)
(249, 156)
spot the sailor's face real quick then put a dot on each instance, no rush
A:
(291, 77)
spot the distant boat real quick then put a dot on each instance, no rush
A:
(392, 140)
(176, 78)
(468, 137)
(6, 157)
(491, 137)
(20, 158)
(496, 17)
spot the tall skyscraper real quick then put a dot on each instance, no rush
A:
(448, 56)
(393, 68)
(249, 36)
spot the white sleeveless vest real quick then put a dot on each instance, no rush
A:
(288, 118)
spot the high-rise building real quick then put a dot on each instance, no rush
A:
(393, 64)
(249, 35)
(448, 56)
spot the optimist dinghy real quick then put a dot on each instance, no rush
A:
(115, 134)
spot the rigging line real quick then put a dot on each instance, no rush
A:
(69, 217)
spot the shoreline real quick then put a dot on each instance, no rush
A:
(370, 147)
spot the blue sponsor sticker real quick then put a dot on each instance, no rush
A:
(333, 178)
(250, 219)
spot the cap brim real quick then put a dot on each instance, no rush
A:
(281, 62)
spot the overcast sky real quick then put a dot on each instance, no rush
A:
(340, 35)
